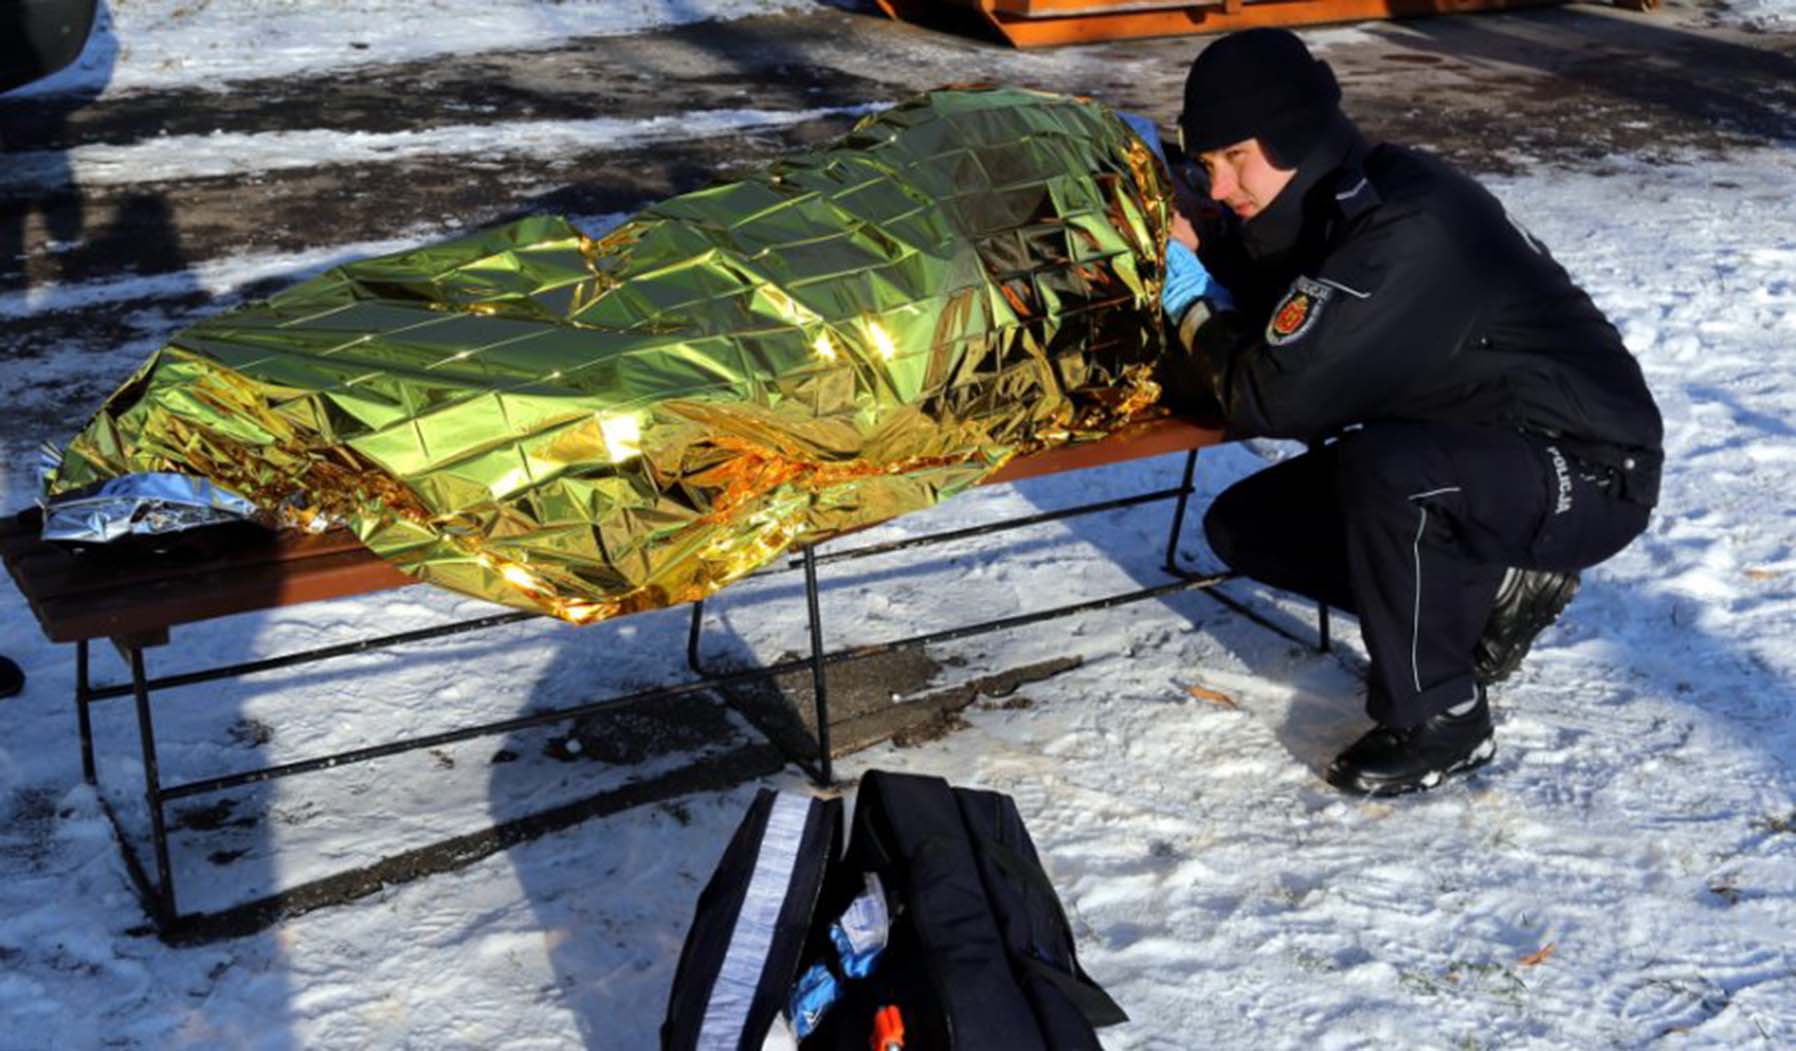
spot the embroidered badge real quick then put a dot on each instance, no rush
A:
(1298, 311)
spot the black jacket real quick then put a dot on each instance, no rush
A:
(1411, 294)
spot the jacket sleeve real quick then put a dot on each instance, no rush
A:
(1388, 306)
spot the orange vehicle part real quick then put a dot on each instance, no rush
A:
(1046, 23)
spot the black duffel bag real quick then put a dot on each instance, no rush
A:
(977, 954)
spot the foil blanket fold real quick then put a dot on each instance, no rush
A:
(588, 427)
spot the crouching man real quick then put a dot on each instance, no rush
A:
(1478, 433)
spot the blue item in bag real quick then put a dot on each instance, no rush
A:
(811, 999)
(861, 934)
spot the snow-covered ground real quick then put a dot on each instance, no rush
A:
(1624, 875)
(1769, 15)
(206, 44)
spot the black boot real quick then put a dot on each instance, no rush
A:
(12, 677)
(1528, 601)
(1388, 761)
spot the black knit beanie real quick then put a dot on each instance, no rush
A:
(1259, 84)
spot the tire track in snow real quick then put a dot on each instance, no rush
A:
(176, 158)
(632, 78)
(136, 230)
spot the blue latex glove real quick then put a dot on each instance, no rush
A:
(815, 993)
(1187, 282)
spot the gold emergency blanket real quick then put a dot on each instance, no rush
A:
(593, 427)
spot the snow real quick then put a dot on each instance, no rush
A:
(207, 44)
(1763, 15)
(222, 154)
(1624, 875)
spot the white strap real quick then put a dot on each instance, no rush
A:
(726, 1014)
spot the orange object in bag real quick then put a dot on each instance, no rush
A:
(888, 1030)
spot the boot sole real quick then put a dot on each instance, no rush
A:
(1359, 785)
(1545, 609)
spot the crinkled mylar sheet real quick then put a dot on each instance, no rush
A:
(593, 427)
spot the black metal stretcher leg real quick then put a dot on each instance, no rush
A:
(821, 772)
(1178, 514)
(1321, 607)
(158, 898)
(84, 721)
(825, 775)
(152, 790)
(1186, 488)
(693, 634)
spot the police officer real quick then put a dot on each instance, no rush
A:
(1477, 431)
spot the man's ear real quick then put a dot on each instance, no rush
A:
(1272, 157)
(1190, 185)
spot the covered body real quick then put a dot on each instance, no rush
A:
(589, 427)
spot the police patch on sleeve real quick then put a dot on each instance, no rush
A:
(1296, 314)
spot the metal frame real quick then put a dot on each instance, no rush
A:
(159, 894)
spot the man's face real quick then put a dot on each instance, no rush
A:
(1243, 178)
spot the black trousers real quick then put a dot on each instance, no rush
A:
(1410, 526)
